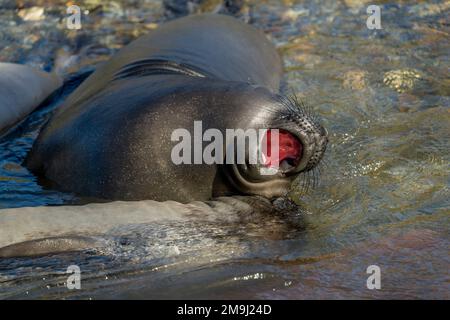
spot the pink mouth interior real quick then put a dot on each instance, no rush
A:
(290, 149)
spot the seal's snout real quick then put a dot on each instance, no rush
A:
(303, 125)
(295, 132)
(319, 142)
(314, 138)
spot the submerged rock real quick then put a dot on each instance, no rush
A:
(355, 80)
(402, 80)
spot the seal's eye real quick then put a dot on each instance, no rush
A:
(290, 151)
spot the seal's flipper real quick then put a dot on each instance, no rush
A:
(50, 245)
(22, 89)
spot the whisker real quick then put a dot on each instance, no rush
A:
(314, 178)
(308, 184)
(317, 174)
(305, 183)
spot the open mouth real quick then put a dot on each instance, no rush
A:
(284, 153)
(290, 151)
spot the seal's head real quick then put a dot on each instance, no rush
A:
(121, 143)
(295, 131)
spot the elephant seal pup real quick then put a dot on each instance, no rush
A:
(111, 139)
(22, 89)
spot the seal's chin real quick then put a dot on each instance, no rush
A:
(255, 180)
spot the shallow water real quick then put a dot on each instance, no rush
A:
(383, 197)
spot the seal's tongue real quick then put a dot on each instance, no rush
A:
(289, 149)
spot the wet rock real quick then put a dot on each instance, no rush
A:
(428, 9)
(213, 6)
(30, 40)
(293, 14)
(32, 14)
(233, 7)
(151, 26)
(308, 60)
(113, 10)
(179, 8)
(356, 5)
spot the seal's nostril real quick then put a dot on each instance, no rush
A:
(324, 131)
